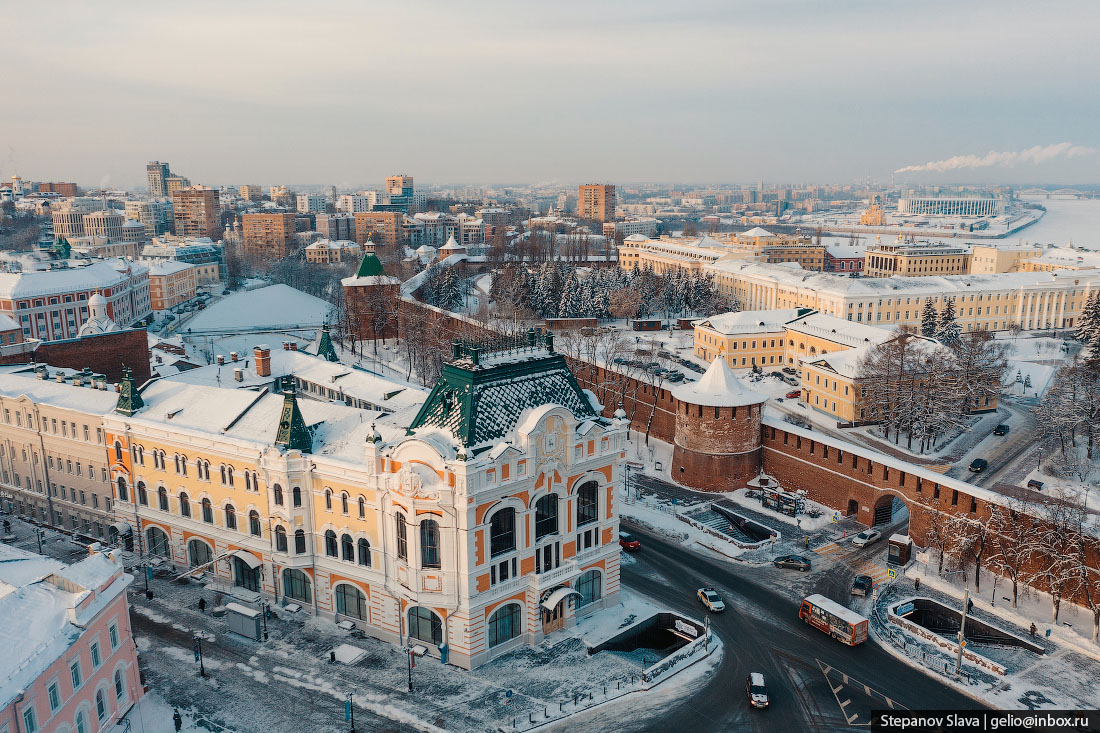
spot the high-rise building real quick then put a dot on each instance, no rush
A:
(399, 185)
(380, 227)
(312, 203)
(158, 179)
(596, 201)
(105, 223)
(176, 183)
(156, 216)
(68, 216)
(198, 212)
(270, 235)
(336, 226)
(252, 193)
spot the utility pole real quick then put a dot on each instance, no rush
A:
(962, 631)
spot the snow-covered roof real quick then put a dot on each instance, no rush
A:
(7, 323)
(48, 282)
(22, 381)
(451, 245)
(763, 321)
(718, 387)
(269, 307)
(46, 607)
(168, 267)
(839, 330)
(756, 232)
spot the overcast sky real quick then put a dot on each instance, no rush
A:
(512, 91)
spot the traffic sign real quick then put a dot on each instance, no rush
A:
(508, 697)
(892, 573)
(836, 518)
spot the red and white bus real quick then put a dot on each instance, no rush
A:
(834, 619)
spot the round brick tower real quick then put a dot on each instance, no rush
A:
(717, 444)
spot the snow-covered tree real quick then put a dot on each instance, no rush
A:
(1088, 325)
(1010, 538)
(947, 328)
(929, 319)
(1055, 549)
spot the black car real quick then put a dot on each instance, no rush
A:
(978, 465)
(796, 562)
(862, 585)
(1000, 430)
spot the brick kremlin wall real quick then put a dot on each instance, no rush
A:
(104, 353)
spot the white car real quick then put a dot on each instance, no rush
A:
(866, 537)
(710, 598)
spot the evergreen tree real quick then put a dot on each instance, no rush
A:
(928, 319)
(1088, 325)
(947, 330)
(569, 302)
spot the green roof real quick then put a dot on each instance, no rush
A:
(325, 348)
(292, 433)
(371, 266)
(129, 398)
(480, 400)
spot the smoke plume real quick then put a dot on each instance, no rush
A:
(1035, 155)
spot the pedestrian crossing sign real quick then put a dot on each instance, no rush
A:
(836, 518)
(891, 573)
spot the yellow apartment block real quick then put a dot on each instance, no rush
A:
(921, 259)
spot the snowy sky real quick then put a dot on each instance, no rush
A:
(505, 91)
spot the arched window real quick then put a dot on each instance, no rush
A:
(425, 625)
(207, 511)
(347, 548)
(100, 705)
(502, 532)
(364, 552)
(588, 503)
(206, 470)
(162, 498)
(278, 491)
(505, 624)
(350, 601)
(120, 686)
(176, 458)
(330, 544)
(362, 508)
(199, 553)
(230, 517)
(157, 542)
(123, 493)
(229, 474)
(81, 723)
(248, 481)
(143, 495)
(296, 496)
(183, 465)
(328, 499)
(185, 505)
(429, 544)
(118, 451)
(296, 585)
(254, 523)
(299, 541)
(280, 539)
(402, 538)
(221, 469)
(344, 503)
(589, 586)
(546, 516)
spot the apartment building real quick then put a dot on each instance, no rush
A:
(156, 216)
(269, 235)
(171, 283)
(252, 193)
(175, 184)
(68, 216)
(70, 661)
(197, 212)
(327, 252)
(381, 227)
(988, 259)
(335, 226)
(312, 203)
(61, 189)
(920, 259)
(644, 226)
(105, 223)
(158, 174)
(596, 201)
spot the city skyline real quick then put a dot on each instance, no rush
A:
(637, 92)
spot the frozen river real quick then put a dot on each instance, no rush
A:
(1066, 220)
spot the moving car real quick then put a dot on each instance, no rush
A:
(628, 542)
(794, 394)
(862, 585)
(757, 690)
(797, 562)
(710, 598)
(1000, 430)
(978, 465)
(866, 537)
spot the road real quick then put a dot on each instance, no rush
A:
(1003, 452)
(815, 683)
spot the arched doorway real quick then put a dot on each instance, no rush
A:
(199, 553)
(853, 508)
(246, 572)
(887, 510)
(156, 542)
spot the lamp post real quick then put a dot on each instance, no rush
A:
(349, 709)
(198, 655)
(962, 622)
(415, 651)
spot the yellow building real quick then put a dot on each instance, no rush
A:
(1061, 258)
(1032, 300)
(920, 259)
(988, 259)
(873, 217)
(171, 283)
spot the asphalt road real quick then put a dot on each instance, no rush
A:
(815, 683)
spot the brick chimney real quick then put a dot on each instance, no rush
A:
(263, 360)
(292, 345)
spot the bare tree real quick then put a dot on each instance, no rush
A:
(938, 534)
(970, 540)
(1054, 549)
(1011, 529)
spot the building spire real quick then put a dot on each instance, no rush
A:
(129, 399)
(293, 433)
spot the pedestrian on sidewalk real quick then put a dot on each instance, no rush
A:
(916, 584)
(202, 605)
(1033, 629)
(807, 538)
(177, 719)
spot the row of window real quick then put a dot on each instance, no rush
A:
(180, 462)
(50, 425)
(206, 507)
(502, 523)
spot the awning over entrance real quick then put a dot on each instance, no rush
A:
(556, 597)
(122, 528)
(247, 558)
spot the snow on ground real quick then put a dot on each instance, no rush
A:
(802, 521)
(264, 308)
(654, 456)
(1028, 379)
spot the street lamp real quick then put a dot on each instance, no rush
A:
(197, 646)
(416, 651)
(962, 622)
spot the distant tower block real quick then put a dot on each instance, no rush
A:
(717, 443)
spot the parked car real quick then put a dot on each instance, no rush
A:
(675, 377)
(795, 562)
(978, 465)
(757, 690)
(710, 598)
(1000, 430)
(866, 537)
(628, 542)
(790, 370)
(793, 381)
(777, 375)
(1035, 484)
(793, 394)
(862, 585)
